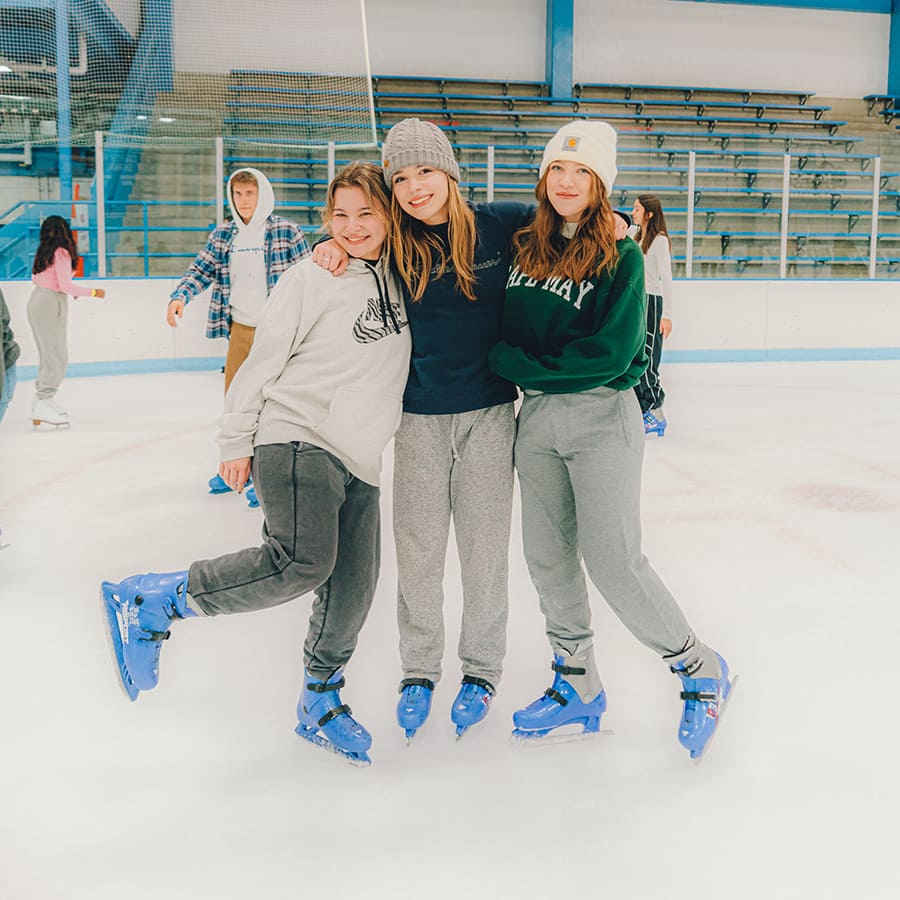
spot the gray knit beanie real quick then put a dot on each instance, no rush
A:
(413, 142)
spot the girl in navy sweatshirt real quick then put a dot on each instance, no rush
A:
(453, 451)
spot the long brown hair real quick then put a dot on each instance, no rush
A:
(415, 247)
(368, 178)
(653, 224)
(542, 251)
(55, 233)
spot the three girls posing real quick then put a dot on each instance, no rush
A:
(571, 335)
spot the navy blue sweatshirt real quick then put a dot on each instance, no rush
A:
(452, 335)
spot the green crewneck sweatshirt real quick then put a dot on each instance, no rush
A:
(560, 337)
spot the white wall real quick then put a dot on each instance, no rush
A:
(712, 316)
(128, 324)
(835, 54)
(464, 37)
(736, 315)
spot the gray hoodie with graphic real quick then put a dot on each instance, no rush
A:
(329, 364)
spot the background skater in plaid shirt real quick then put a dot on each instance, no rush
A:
(242, 261)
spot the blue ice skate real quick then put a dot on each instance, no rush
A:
(217, 485)
(414, 704)
(139, 611)
(326, 722)
(559, 705)
(704, 702)
(653, 424)
(252, 499)
(471, 704)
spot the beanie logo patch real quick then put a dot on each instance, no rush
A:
(571, 143)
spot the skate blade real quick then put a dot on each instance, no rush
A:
(524, 739)
(38, 422)
(360, 760)
(696, 760)
(114, 640)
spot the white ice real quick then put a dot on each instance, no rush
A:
(770, 510)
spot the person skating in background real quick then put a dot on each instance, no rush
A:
(651, 234)
(453, 450)
(312, 409)
(48, 314)
(242, 261)
(573, 339)
(9, 355)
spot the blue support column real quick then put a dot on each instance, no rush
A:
(63, 101)
(560, 44)
(893, 85)
(156, 15)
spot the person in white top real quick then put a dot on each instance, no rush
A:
(312, 409)
(653, 237)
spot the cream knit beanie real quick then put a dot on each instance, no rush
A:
(593, 144)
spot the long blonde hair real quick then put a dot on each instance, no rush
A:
(415, 248)
(542, 251)
(368, 178)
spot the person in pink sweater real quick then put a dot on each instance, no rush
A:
(48, 312)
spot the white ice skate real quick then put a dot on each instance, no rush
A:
(47, 412)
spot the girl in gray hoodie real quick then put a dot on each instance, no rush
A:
(311, 411)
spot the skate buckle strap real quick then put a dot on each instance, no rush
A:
(704, 696)
(323, 687)
(421, 682)
(157, 636)
(568, 670)
(557, 696)
(481, 682)
(334, 712)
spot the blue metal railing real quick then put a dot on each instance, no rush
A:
(20, 227)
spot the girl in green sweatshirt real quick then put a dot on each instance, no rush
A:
(573, 340)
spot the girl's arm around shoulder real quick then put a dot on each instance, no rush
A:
(510, 215)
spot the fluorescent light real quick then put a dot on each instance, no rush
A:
(141, 118)
(166, 119)
(5, 70)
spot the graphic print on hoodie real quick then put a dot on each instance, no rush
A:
(247, 260)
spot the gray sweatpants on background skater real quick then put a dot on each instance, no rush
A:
(579, 459)
(48, 315)
(454, 466)
(322, 533)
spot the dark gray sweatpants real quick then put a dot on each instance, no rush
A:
(321, 533)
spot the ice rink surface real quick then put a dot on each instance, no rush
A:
(771, 511)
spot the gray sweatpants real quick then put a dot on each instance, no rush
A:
(579, 459)
(48, 315)
(457, 467)
(322, 533)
